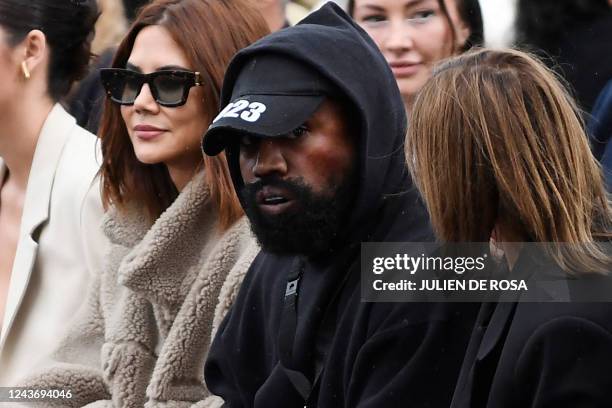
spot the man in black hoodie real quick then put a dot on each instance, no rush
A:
(313, 129)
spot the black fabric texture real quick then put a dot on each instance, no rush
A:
(539, 354)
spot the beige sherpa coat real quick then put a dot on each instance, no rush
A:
(143, 337)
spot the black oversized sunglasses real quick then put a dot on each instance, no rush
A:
(169, 88)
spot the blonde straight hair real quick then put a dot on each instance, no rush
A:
(495, 138)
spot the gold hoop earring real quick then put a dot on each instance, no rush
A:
(26, 71)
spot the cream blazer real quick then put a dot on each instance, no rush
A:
(60, 245)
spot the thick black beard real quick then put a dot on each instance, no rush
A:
(313, 229)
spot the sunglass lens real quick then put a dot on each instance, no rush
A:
(170, 88)
(128, 89)
(122, 86)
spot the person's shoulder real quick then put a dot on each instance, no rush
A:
(77, 146)
(241, 231)
(265, 274)
(536, 315)
(565, 339)
(78, 167)
(600, 125)
(538, 328)
(576, 325)
(238, 239)
(604, 101)
(566, 350)
(86, 142)
(82, 151)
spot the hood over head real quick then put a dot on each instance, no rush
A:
(328, 53)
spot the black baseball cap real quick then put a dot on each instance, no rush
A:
(273, 94)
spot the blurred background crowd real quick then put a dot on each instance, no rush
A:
(573, 36)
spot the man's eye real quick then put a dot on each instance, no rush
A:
(298, 132)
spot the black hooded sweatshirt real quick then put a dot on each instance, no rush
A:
(370, 354)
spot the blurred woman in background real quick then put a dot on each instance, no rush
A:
(498, 151)
(50, 207)
(415, 35)
(179, 243)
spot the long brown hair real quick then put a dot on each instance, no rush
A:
(210, 32)
(495, 137)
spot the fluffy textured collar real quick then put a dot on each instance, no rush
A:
(160, 256)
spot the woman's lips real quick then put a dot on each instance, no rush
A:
(405, 69)
(147, 132)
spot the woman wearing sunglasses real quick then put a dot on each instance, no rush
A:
(50, 207)
(498, 151)
(179, 243)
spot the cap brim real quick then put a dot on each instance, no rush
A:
(261, 115)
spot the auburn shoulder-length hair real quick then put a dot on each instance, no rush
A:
(210, 32)
(494, 137)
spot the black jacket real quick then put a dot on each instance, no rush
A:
(540, 355)
(372, 354)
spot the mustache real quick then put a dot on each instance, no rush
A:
(295, 186)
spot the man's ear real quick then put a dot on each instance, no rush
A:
(34, 47)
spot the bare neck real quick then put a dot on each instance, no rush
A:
(20, 126)
(408, 103)
(182, 173)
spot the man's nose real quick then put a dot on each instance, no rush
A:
(270, 160)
